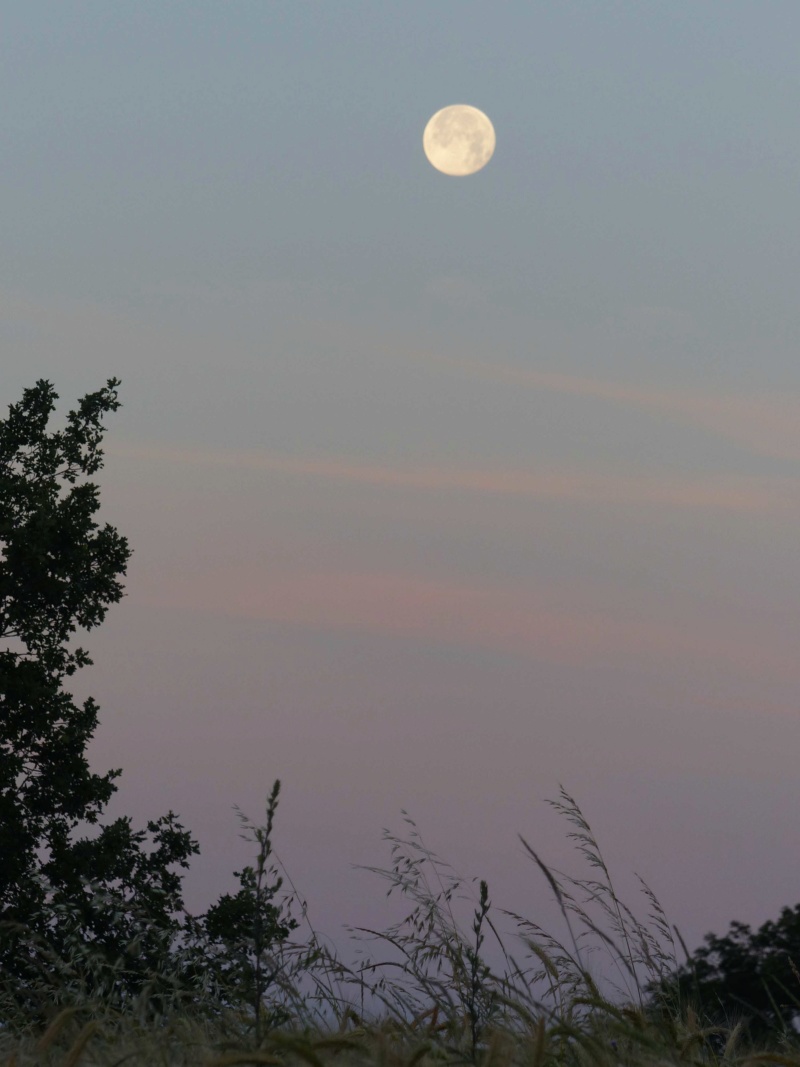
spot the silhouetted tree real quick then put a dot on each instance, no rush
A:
(748, 975)
(248, 927)
(59, 571)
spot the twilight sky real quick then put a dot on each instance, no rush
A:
(442, 491)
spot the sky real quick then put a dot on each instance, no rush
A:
(442, 492)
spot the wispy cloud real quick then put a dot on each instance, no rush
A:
(766, 423)
(731, 493)
(542, 623)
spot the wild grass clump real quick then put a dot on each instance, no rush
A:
(425, 990)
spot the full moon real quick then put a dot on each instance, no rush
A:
(459, 140)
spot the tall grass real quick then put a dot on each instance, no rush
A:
(423, 990)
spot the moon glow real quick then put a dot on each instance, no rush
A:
(459, 140)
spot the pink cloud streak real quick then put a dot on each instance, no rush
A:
(767, 424)
(734, 493)
(544, 624)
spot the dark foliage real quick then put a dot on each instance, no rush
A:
(755, 976)
(59, 571)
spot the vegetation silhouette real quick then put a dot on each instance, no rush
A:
(60, 571)
(93, 953)
(744, 975)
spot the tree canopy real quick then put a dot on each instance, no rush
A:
(745, 975)
(59, 571)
